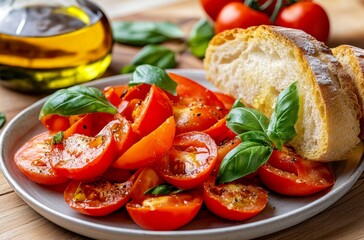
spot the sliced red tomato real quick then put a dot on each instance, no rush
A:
(34, 162)
(227, 100)
(190, 161)
(152, 112)
(220, 132)
(149, 148)
(224, 148)
(123, 134)
(115, 93)
(237, 201)
(82, 157)
(55, 122)
(100, 196)
(166, 212)
(287, 173)
(147, 178)
(82, 125)
(195, 117)
(190, 91)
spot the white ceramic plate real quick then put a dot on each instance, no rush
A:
(281, 212)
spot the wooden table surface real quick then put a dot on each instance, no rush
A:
(343, 220)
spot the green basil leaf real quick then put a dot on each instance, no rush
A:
(281, 127)
(238, 103)
(57, 138)
(163, 189)
(153, 75)
(255, 136)
(244, 159)
(2, 119)
(76, 100)
(143, 33)
(199, 38)
(242, 119)
(155, 55)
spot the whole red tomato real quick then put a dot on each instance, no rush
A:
(238, 15)
(307, 16)
(213, 7)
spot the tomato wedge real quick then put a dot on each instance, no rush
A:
(152, 112)
(115, 93)
(190, 161)
(34, 162)
(100, 196)
(220, 132)
(237, 201)
(227, 100)
(82, 157)
(289, 174)
(149, 148)
(166, 212)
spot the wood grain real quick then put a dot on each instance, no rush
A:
(343, 220)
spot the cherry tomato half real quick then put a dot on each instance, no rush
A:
(82, 157)
(166, 212)
(287, 173)
(190, 161)
(238, 15)
(149, 148)
(100, 196)
(34, 162)
(237, 201)
(307, 16)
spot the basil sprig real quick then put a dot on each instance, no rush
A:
(163, 189)
(259, 135)
(153, 75)
(2, 119)
(155, 55)
(76, 100)
(143, 32)
(199, 38)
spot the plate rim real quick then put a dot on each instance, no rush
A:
(295, 216)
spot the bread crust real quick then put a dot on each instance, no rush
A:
(352, 59)
(328, 125)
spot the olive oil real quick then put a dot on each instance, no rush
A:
(46, 47)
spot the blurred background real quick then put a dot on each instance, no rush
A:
(346, 17)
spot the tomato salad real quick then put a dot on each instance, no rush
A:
(162, 146)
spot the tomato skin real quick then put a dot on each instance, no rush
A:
(238, 15)
(224, 148)
(166, 212)
(149, 148)
(152, 112)
(220, 132)
(55, 122)
(115, 93)
(190, 91)
(81, 157)
(98, 197)
(237, 201)
(307, 16)
(213, 7)
(147, 178)
(288, 174)
(195, 117)
(227, 100)
(33, 161)
(190, 161)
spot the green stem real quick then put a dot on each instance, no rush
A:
(278, 7)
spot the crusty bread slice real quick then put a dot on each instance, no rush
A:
(256, 64)
(352, 59)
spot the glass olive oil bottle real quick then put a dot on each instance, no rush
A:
(52, 44)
